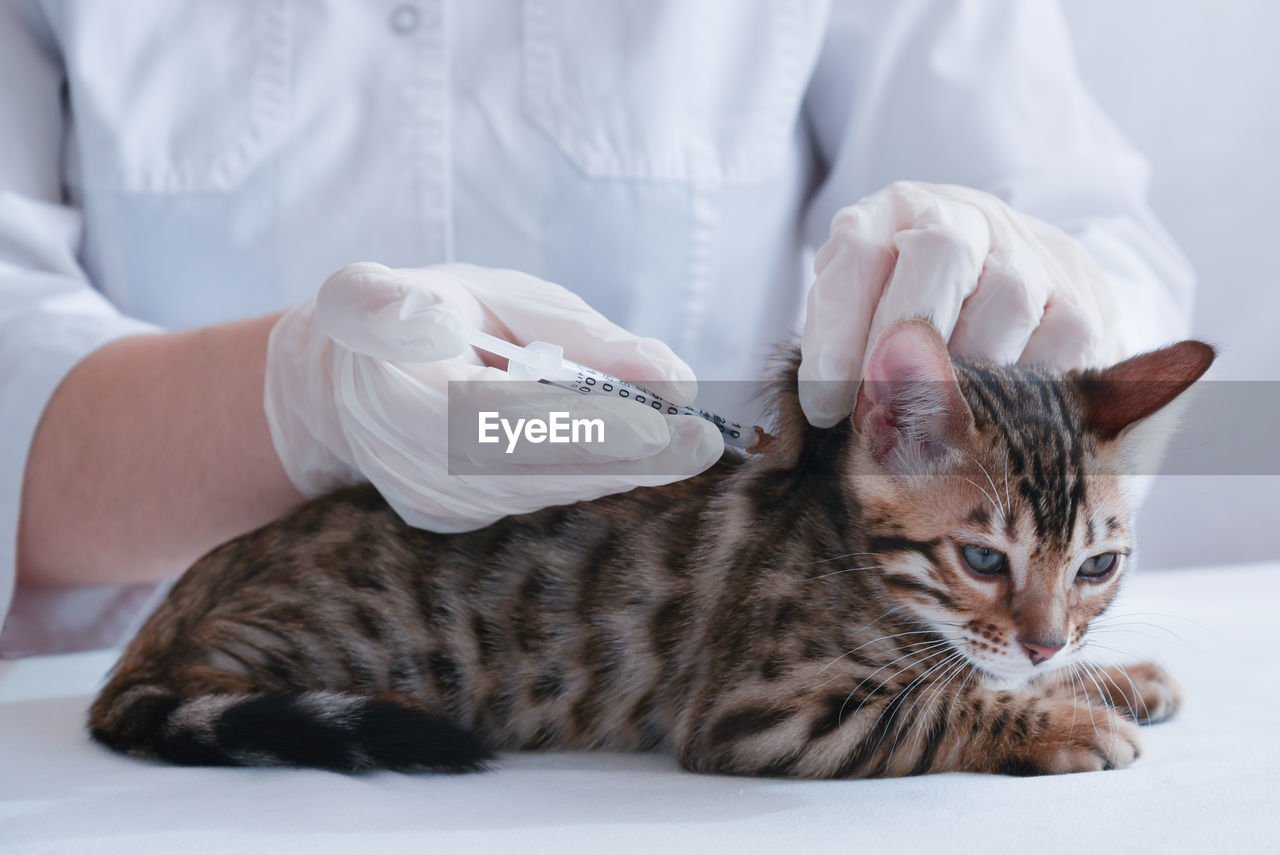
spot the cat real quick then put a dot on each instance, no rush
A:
(907, 592)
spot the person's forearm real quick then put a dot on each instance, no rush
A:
(153, 450)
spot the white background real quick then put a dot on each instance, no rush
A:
(1195, 85)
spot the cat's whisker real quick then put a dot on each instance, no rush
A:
(938, 682)
(1093, 642)
(965, 664)
(911, 644)
(930, 651)
(1182, 618)
(869, 643)
(959, 693)
(967, 668)
(1078, 673)
(901, 698)
(930, 646)
(994, 489)
(990, 498)
(838, 557)
(1070, 685)
(1152, 636)
(928, 696)
(1083, 670)
(845, 570)
(1079, 681)
(921, 681)
(1146, 713)
(952, 623)
(971, 670)
(1008, 497)
(1101, 672)
(881, 617)
(1089, 671)
(1107, 624)
(1112, 620)
(1124, 671)
(1109, 616)
(891, 610)
(865, 626)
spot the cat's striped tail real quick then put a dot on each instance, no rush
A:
(328, 730)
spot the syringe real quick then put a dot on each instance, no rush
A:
(545, 362)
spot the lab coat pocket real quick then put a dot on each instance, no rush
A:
(172, 96)
(674, 90)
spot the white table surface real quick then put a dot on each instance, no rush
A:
(1209, 781)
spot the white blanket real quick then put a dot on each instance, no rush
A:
(1208, 782)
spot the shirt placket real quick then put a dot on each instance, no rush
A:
(422, 30)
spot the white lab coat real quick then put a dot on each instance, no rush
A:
(168, 164)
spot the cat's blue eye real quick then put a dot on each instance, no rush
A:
(1098, 566)
(984, 560)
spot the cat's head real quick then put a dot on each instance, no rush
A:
(995, 499)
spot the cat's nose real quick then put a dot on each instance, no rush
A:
(1041, 651)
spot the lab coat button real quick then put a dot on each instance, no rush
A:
(404, 19)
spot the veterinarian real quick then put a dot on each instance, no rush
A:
(177, 180)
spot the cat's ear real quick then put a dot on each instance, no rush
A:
(910, 399)
(1135, 406)
(1115, 398)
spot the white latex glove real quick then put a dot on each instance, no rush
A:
(998, 285)
(357, 390)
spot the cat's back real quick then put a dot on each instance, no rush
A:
(557, 615)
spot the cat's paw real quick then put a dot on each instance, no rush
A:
(1108, 742)
(1080, 739)
(1144, 692)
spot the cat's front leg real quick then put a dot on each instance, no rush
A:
(1143, 692)
(894, 732)
(1023, 734)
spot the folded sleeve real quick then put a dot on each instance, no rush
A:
(985, 93)
(50, 314)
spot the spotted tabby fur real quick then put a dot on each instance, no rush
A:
(807, 612)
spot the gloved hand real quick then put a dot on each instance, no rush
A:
(357, 389)
(997, 284)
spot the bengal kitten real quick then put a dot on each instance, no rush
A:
(907, 592)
